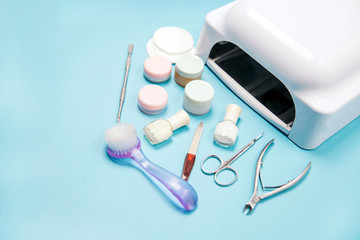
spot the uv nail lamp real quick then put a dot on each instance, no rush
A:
(297, 63)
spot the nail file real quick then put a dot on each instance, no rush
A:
(191, 155)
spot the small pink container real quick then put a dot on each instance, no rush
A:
(152, 99)
(157, 69)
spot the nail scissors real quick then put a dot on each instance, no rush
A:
(255, 198)
(225, 165)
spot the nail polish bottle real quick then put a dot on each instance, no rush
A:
(226, 131)
(161, 129)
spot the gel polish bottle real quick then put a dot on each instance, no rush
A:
(160, 130)
(226, 131)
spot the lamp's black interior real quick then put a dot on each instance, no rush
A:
(255, 79)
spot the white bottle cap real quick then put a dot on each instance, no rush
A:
(233, 112)
(178, 120)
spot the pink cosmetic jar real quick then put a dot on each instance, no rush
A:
(157, 69)
(152, 99)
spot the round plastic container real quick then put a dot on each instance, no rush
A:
(198, 97)
(157, 69)
(152, 99)
(188, 68)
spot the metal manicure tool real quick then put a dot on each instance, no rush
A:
(255, 198)
(123, 90)
(225, 165)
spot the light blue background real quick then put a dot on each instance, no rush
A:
(61, 70)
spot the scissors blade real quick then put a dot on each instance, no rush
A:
(243, 150)
(196, 139)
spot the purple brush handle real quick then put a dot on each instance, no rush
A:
(178, 187)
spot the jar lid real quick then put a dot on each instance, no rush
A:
(189, 66)
(157, 69)
(152, 99)
(199, 91)
(198, 97)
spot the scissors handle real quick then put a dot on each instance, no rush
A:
(222, 171)
(209, 157)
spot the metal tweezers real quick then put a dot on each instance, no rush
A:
(255, 197)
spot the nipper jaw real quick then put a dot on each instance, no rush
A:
(252, 203)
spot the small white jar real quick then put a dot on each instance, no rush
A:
(188, 68)
(198, 96)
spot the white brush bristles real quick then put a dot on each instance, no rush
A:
(121, 137)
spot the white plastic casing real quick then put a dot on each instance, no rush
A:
(312, 47)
